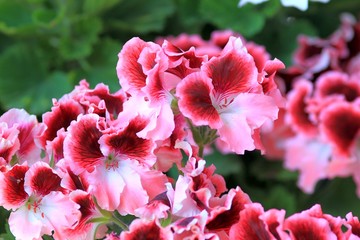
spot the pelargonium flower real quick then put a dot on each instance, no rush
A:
(81, 100)
(18, 131)
(39, 206)
(226, 96)
(114, 155)
(300, 4)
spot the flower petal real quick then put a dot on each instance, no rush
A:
(195, 102)
(127, 144)
(142, 229)
(298, 116)
(41, 179)
(129, 71)
(12, 192)
(81, 147)
(250, 225)
(340, 123)
(303, 226)
(233, 73)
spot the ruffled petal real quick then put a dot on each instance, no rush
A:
(150, 230)
(26, 225)
(29, 128)
(108, 193)
(313, 165)
(195, 102)
(340, 123)
(297, 114)
(129, 70)
(134, 194)
(81, 147)
(337, 83)
(61, 115)
(41, 179)
(234, 141)
(304, 226)
(233, 73)
(60, 213)
(250, 225)
(126, 143)
(227, 211)
(12, 192)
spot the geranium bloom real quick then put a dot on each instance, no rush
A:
(300, 4)
(39, 206)
(18, 133)
(221, 94)
(114, 155)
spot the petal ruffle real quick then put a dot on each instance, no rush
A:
(12, 192)
(81, 146)
(195, 102)
(129, 70)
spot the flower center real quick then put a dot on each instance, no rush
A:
(221, 101)
(34, 205)
(111, 162)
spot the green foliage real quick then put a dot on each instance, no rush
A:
(247, 20)
(5, 233)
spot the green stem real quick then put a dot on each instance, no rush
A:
(120, 223)
(201, 150)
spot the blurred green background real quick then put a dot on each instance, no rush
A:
(48, 46)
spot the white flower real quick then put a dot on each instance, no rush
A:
(300, 4)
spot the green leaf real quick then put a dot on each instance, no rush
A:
(103, 65)
(188, 17)
(226, 15)
(337, 197)
(4, 214)
(269, 8)
(5, 233)
(44, 17)
(225, 164)
(24, 82)
(93, 7)
(280, 198)
(141, 16)
(9, 24)
(54, 86)
(21, 69)
(281, 41)
(78, 42)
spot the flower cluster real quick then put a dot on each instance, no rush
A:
(98, 158)
(323, 112)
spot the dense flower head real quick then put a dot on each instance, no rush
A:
(100, 159)
(322, 112)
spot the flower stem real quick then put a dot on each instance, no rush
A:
(120, 223)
